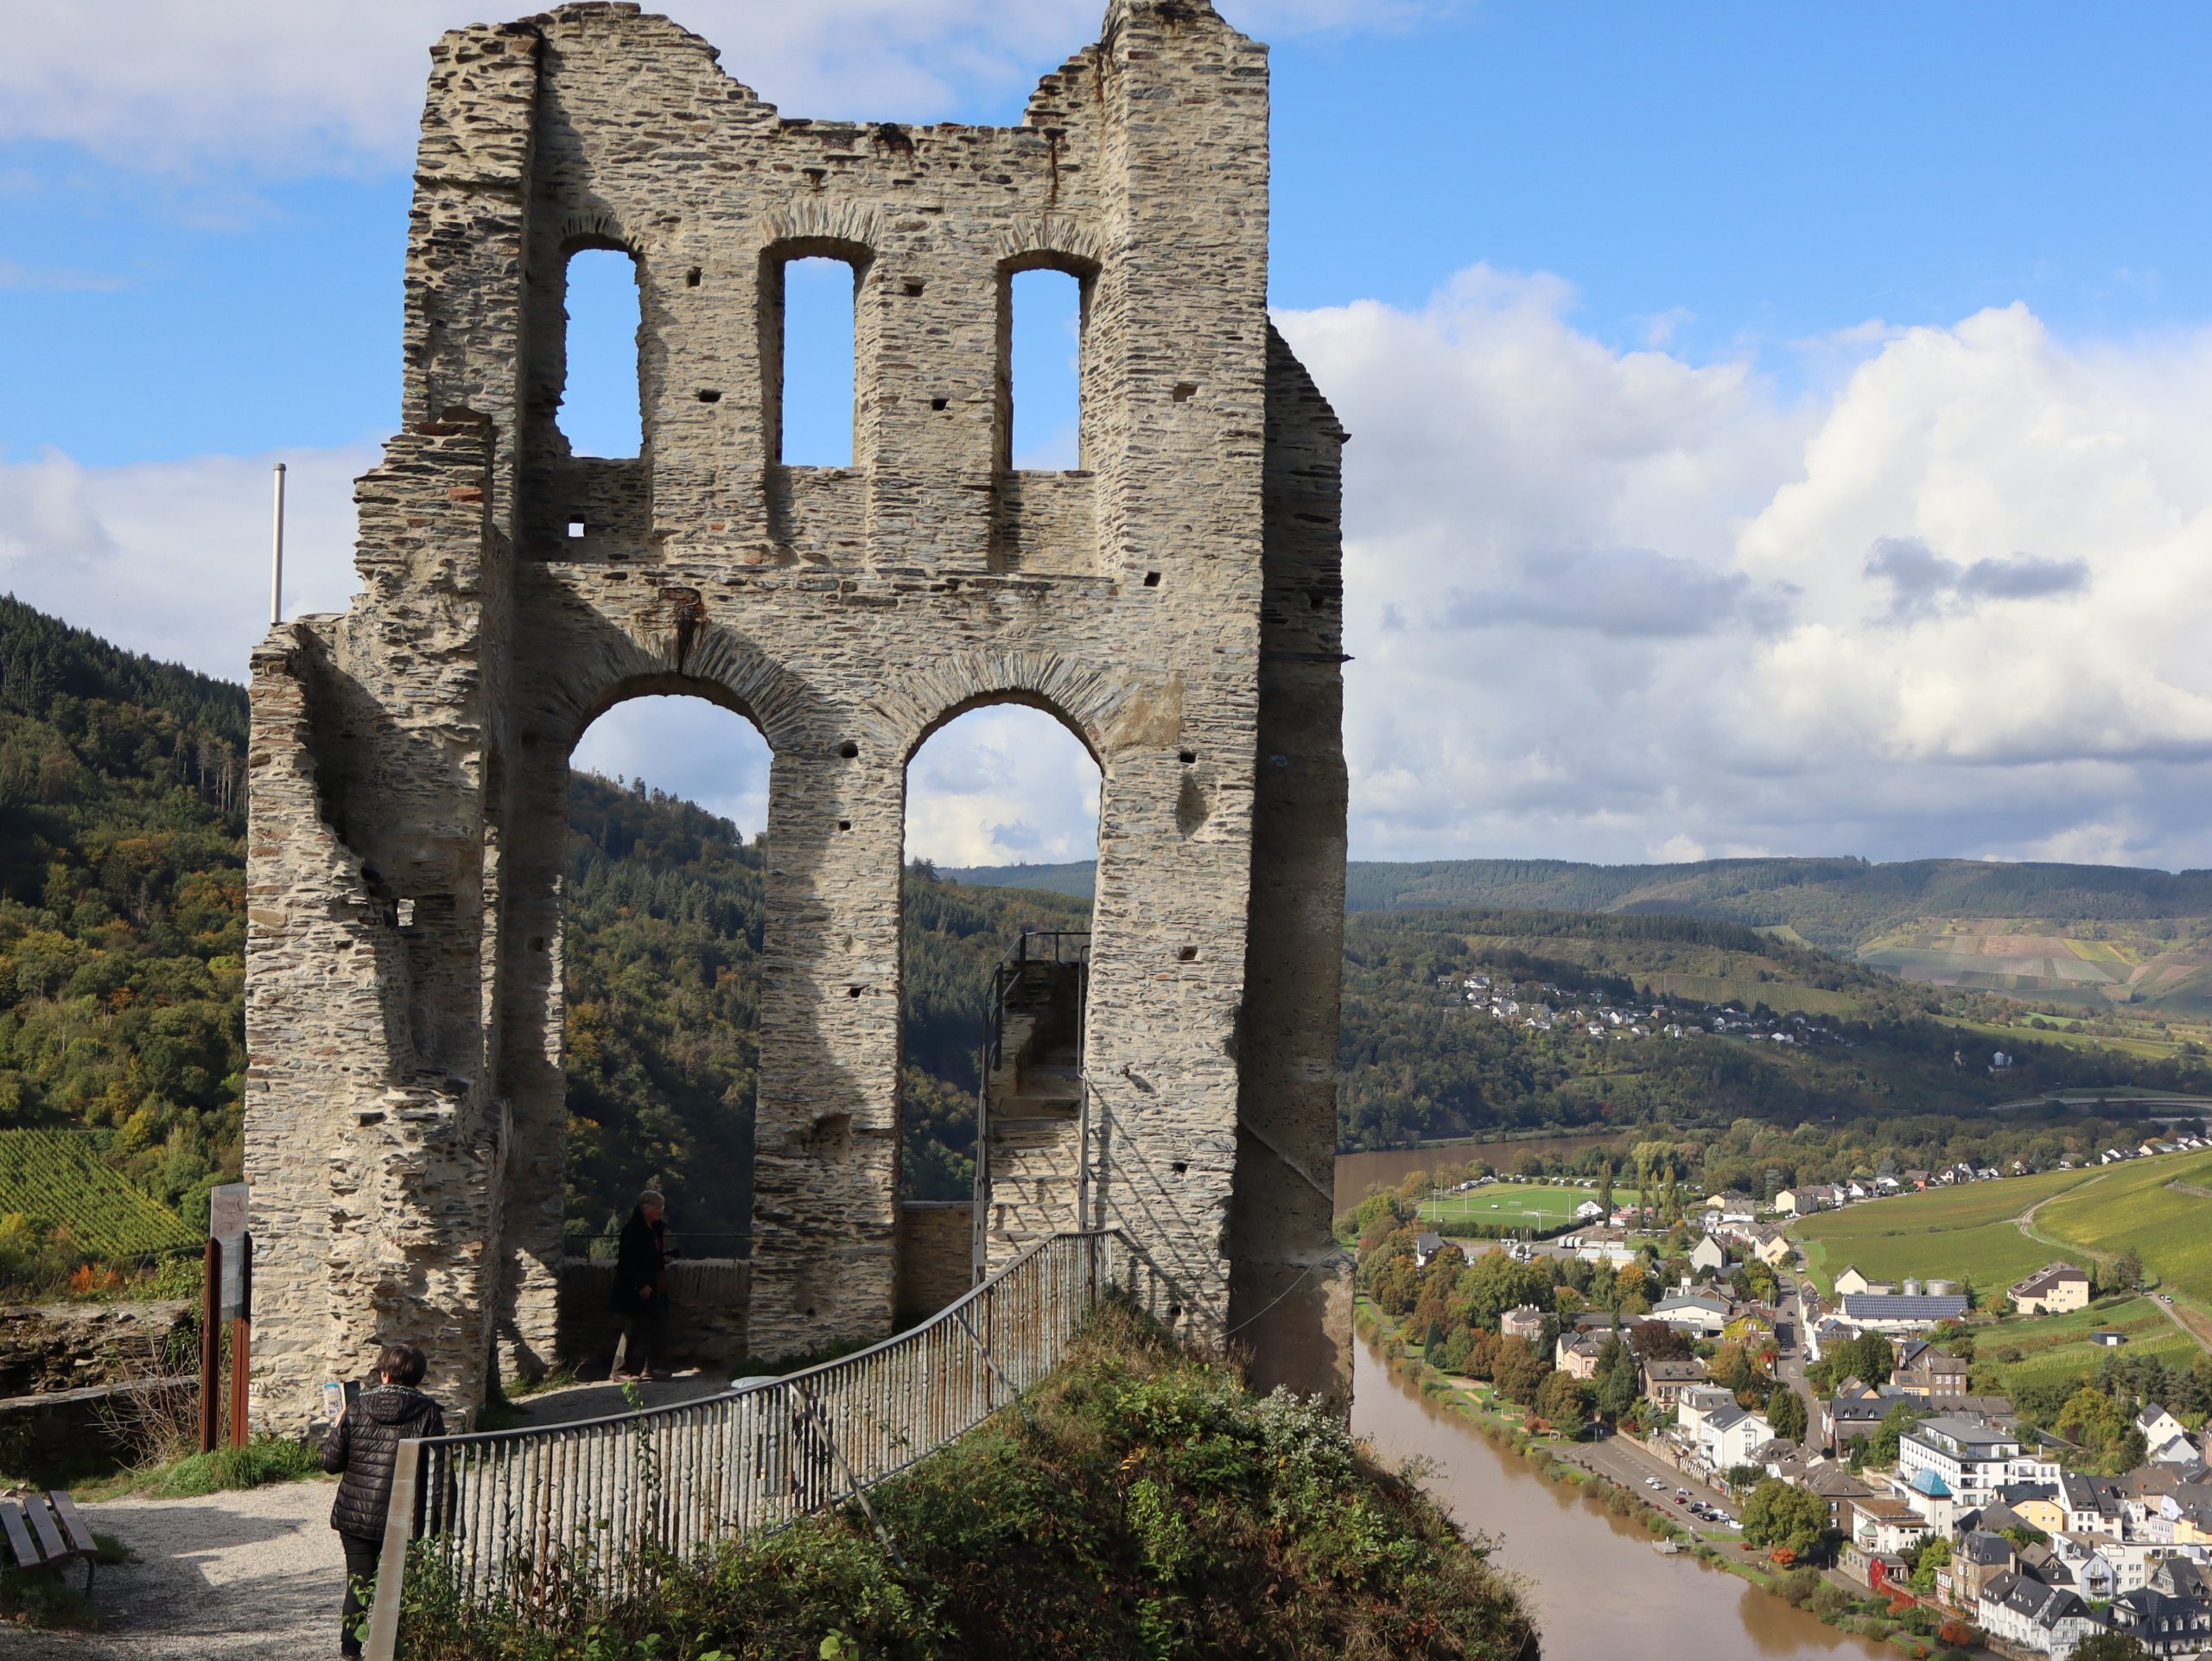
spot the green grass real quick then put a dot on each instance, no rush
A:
(57, 1179)
(2144, 1048)
(1961, 1233)
(1512, 1204)
(2135, 1205)
(262, 1460)
(2054, 1347)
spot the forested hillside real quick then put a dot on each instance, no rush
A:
(122, 894)
(1838, 903)
(2102, 942)
(1419, 1061)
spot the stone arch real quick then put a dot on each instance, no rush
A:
(1052, 241)
(1086, 699)
(670, 647)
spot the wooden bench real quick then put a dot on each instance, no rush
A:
(44, 1531)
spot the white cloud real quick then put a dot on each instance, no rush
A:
(276, 86)
(1002, 785)
(1618, 605)
(172, 558)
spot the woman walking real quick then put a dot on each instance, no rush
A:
(361, 1447)
(641, 1289)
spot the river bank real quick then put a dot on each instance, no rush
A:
(1599, 1591)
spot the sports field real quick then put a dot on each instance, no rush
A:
(1507, 1204)
(1967, 1233)
(2162, 1207)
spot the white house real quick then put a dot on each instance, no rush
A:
(1970, 1458)
(2046, 1620)
(2164, 1435)
(1727, 1435)
(1852, 1278)
(1709, 1254)
(1702, 1314)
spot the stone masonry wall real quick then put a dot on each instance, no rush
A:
(936, 1255)
(405, 1110)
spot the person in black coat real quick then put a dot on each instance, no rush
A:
(641, 1289)
(361, 1448)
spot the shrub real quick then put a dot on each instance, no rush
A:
(1799, 1584)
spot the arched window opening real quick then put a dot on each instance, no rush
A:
(1001, 836)
(1042, 354)
(815, 307)
(600, 401)
(666, 913)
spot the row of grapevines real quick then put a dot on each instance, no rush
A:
(57, 1179)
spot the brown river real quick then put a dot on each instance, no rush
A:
(1599, 1591)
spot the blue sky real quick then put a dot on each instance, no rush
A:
(1658, 306)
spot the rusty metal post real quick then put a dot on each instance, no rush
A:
(211, 1345)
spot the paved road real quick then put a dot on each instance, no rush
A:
(1629, 1465)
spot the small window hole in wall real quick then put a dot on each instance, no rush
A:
(939, 403)
(707, 395)
(1044, 371)
(819, 363)
(1186, 757)
(1186, 954)
(600, 403)
(1179, 1166)
(913, 288)
(691, 278)
(844, 824)
(1151, 579)
(852, 991)
(1185, 391)
(848, 749)
(406, 911)
(576, 529)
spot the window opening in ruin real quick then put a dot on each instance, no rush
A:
(600, 402)
(1044, 371)
(663, 920)
(1001, 786)
(819, 314)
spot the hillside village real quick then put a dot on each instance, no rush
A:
(1624, 1019)
(1852, 1430)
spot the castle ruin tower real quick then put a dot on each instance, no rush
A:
(1176, 602)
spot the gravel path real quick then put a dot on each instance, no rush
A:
(254, 1575)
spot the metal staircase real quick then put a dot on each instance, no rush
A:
(1031, 1125)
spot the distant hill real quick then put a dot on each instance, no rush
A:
(1419, 1059)
(2090, 937)
(1078, 877)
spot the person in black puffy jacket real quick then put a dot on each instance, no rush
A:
(362, 1448)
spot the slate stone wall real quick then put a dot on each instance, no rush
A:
(1175, 603)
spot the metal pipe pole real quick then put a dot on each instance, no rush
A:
(276, 555)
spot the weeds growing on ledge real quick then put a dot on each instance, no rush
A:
(1147, 1506)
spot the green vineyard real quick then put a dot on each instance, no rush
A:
(58, 1180)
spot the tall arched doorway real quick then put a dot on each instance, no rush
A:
(664, 928)
(1001, 838)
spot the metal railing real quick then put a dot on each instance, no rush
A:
(527, 1526)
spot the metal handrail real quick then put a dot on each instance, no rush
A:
(529, 1523)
